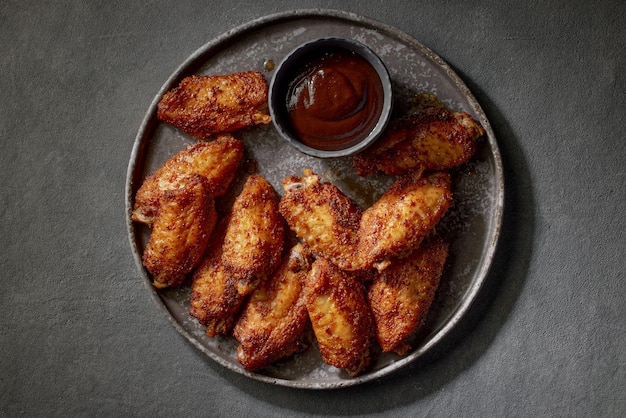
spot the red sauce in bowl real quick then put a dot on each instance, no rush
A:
(335, 100)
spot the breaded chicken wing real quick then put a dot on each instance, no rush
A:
(397, 223)
(216, 160)
(434, 138)
(400, 297)
(215, 301)
(254, 237)
(273, 320)
(341, 318)
(206, 105)
(321, 215)
(184, 222)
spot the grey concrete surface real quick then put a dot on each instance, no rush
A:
(79, 333)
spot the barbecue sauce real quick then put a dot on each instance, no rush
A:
(335, 100)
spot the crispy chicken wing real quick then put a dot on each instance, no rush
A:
(215, 301)
(273, 320)
(217, 161)
(400, 297)
(321, 215)
(341, 318)
(184, 221)
(434, 138)
(397, 223)
(254, 236)
(206, 105)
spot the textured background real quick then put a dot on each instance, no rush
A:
(78, 331)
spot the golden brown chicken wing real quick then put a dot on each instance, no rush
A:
(273, 320)
(217, 161)
(434, 138)
(341, 318)
(215, 301)
(254, 236)
(184, 222)
(397, 223)
(400, 297)
(321, 215)
(206, 105)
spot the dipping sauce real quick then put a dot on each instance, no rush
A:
(335, 99)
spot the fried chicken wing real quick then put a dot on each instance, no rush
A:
(184, 222)
(254, 236)
(273, 320)
(215, 301)
(397, 223)
(216, 160)
(341, 318)
(434, 138)
(400, 296)
(321, 215)
(206, 105)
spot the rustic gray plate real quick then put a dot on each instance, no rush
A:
(472, 225)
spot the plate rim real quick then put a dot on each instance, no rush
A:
(483, 268)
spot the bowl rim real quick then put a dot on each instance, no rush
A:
(342, 42)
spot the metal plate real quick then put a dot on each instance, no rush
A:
(472, 225)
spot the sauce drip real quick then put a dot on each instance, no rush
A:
(335, 100)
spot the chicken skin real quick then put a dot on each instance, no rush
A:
(273, 320)
(253, 243)
(184, 222)
(215, 301)
(397, 223)
(206, 105)
(434, 139)
(401, 296)
(323, 217)
(217, 161)
(340, 315)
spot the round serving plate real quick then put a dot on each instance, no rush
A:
(471, 226)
